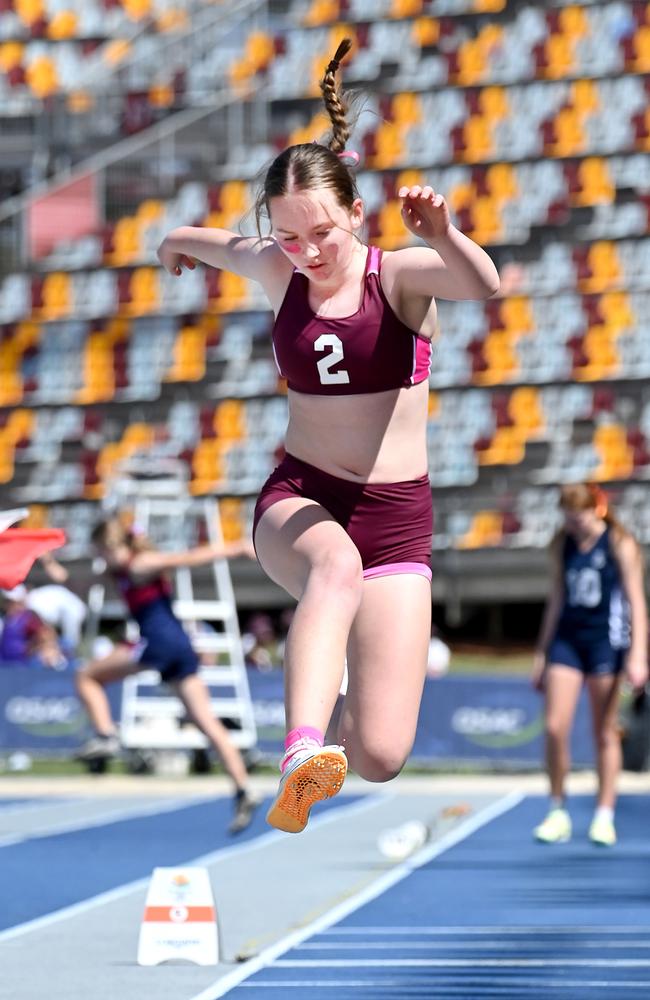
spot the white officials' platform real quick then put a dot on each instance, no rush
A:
(180, 920)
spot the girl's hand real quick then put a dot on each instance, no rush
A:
(424, 212)
(172, 260)
(636, 669)
(537, 673)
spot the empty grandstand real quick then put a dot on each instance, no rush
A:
(124, 118)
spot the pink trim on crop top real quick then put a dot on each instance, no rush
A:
(370, 351)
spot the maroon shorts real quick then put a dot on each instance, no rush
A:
(391, 524)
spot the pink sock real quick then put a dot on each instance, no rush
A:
(297, 738)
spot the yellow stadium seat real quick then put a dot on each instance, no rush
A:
(233, 292)
(116, 51)
(506, 448)
(617, 312)
(605, 266)
(30, 11)
(478, 139)
(231, 515)
(434, 405)
(461, 196)
(569, 133)
(517, 315)
(392, 232)
(406, 8)
(489, 6)
(11, 383)
(145, 292)
(426, 31)
(230, 420)
(493, 102)
(599, 344)
(471, 63)
(37, 518)
(525, 409)
(62, 26)
(126, 242)
(389, 145)
(407, 108)
(485, 531)
(11, 55)
(28, 334)
(501, 358)
(585, 96)
(20, 425)
(596, 184)
(641, 63)
(189, 356)
(487, 220)
(6, 459)
(137, 10)
(321, 12)
(161, 95)
(41, 77)
(559, 56)
(617, 457)
(57, 296)
(573, 21)
(207, 466)
(98, 370)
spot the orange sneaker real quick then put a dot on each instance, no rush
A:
(313, 774)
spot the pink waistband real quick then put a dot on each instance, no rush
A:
(391, 569)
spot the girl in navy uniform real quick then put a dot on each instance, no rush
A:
(140, 575)
(344, 523)
(594, 631)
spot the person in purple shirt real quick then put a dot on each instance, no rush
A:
(344, 524)
(26, 639)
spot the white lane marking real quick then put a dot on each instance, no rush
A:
(390, 878)
(443, 990)
(220, 854)
(464, 945)
(462, 963)
(444, 931)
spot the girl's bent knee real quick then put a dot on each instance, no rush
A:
(340, 569)
(377, 767)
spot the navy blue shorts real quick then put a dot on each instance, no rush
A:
(165, 646)
(595, 658)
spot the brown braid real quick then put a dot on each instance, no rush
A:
(335, 104)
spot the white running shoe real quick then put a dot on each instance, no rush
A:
(99, 748)
(555, 829)
(313, 774)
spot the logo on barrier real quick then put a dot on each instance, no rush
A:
(497, 728)
(45, 716)
(180, 920)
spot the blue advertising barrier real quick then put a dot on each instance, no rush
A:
(494, 720)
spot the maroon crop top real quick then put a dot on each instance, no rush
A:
(370, 351)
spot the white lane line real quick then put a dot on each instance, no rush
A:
(472, 946)
(444, 931)
(462, 963)
(221, 854)
(443, 990)
(390, 878)
(102, 819)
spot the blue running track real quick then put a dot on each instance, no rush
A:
(496, 916)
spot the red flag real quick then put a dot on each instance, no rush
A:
(20, 547)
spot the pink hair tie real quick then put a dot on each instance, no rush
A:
(350, 154)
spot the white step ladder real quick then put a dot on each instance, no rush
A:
(151, 719)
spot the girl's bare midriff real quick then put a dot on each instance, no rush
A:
(375, 438)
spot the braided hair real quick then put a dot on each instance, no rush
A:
(312, 165)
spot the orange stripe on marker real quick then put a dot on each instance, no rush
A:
(175, 914)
